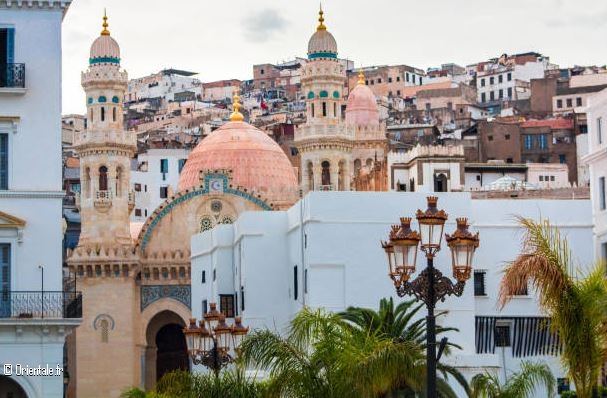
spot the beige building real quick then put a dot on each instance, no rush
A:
(136, 278)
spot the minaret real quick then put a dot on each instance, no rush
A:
(105, 150)
(323, 141)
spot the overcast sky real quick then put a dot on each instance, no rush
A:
(224, 39)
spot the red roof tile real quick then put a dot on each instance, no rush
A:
(554, 124)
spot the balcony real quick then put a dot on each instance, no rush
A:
(40, 305)
(12, 78)
(103, 200)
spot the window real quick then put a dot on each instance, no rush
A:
(180, 164)
(542, 141)
(324, 108)
(502, 335)
(509, 76)
(490, 138)
(602, 204)
(479, 283)
(103, 178)
(7, 46)
(114, 114)
(551, 178)
(137, 212)
(491, 95)
(103, 113)
(295, 285)
(500, 78)
(397, 78)
(3, 161)
(509, 92)
(500, 94)
(509, 160)
(378, 80)
(413, 78)
(226, 305)
(420, 80)
(491, 80)
(312, 110)
(407, 76)
(528, 141)
(137, 187)
(164, 165)
(578, 101)
(599, 130)
(507, 136)
(164, 191)
(569, 102)
(562, 159)
(262, 71)
(559, 103)
(482, 82)
(398, 92)
(483, 97)
(203, 278)
(541, 178)
(205, 307)
(5, 279)
(335, 109)
(389, 80)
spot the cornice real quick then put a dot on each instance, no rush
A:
(32, 194)
(39, 4)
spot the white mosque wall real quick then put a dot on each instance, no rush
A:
(342, 263)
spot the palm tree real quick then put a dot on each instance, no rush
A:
(324, 356)
(231, 383)
(397, 323)
(519, 385)
(575, 303)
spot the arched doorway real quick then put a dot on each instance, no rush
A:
(166, 347)
(171, 350)
(440, 183)
(10, 388)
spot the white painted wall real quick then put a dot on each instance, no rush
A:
(340, 233)
(597, 164)
(34, 192)
(148, 198)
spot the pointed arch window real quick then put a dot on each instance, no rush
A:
(326, 173)
(103, 178)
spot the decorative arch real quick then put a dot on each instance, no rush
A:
(23, 382)
(324, 94)
(102, 99)
(336, 94)
(204, 189)
(311, 95)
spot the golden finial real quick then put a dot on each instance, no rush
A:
(236, 116)
(361, 76)
(105, 32)
(321, 25)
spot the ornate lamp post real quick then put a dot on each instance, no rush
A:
(210, 344)
(431, 285)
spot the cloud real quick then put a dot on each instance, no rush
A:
(262, 25)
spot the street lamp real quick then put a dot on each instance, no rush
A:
(431, 285)
(209, 343)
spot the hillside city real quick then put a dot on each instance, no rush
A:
(251, 233)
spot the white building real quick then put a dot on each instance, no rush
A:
(155, 179)
(169, 84)
(325, 252)
(597, 164)
(35, 314)
(509, 79)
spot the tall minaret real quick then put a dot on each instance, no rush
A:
(105, 150)
(323, 141)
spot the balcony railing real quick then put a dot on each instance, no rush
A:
(12, 75)
(40, 305)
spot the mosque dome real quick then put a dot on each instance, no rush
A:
(361, 108)
(322, 44)
(105, 50)
(256, 160)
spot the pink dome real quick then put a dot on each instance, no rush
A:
(361, 108)
(256, 160)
